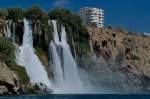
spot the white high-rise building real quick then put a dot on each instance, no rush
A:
(92, 16)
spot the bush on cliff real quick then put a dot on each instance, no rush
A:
(35, 13)
(21, 71)
(7, 52)
(15, 14)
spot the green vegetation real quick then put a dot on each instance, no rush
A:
(120, 29)
(15, 14)
(134, 57)
(21, 71)
(110, 27)
(7, 52)
(35, 13)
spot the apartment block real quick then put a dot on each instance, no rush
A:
(92, 16)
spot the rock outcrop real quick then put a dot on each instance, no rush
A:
(9, 80)
(127, 54)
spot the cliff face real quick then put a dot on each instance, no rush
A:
(128, 54)
(1, 27)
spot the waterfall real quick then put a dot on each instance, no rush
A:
(26, 57)
(66, 67)
(57, 68)
(7, 29)
(70, 67)
(13, 35)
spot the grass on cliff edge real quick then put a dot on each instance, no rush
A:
(21, 71)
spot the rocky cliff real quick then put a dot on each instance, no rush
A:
(123, 59)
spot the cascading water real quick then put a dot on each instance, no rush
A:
(70, 67)
(26, 57)
(57, 69)
(69, 74)
(7, 30)
(13, 35)
(10, 33)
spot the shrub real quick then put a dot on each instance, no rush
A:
(34, 13)
(120, 29)
(134, 57)
(110, 27)
(21, 71)
(7, 52)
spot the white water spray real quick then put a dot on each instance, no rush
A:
(13, 35)
(56, 61)
(57, 69)
(9, 30)
(27, 58)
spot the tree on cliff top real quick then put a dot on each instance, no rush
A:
(15, 14)
(35, 12)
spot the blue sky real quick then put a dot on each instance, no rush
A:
(132, 14)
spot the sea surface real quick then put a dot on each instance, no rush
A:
(80, 96)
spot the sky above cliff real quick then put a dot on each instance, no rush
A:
(132, 14)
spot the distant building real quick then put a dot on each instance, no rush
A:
(92, 16)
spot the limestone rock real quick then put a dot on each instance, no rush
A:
(9, 79)
(6, 74)
(130, 53)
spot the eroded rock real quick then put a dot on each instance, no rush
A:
(126, 56)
